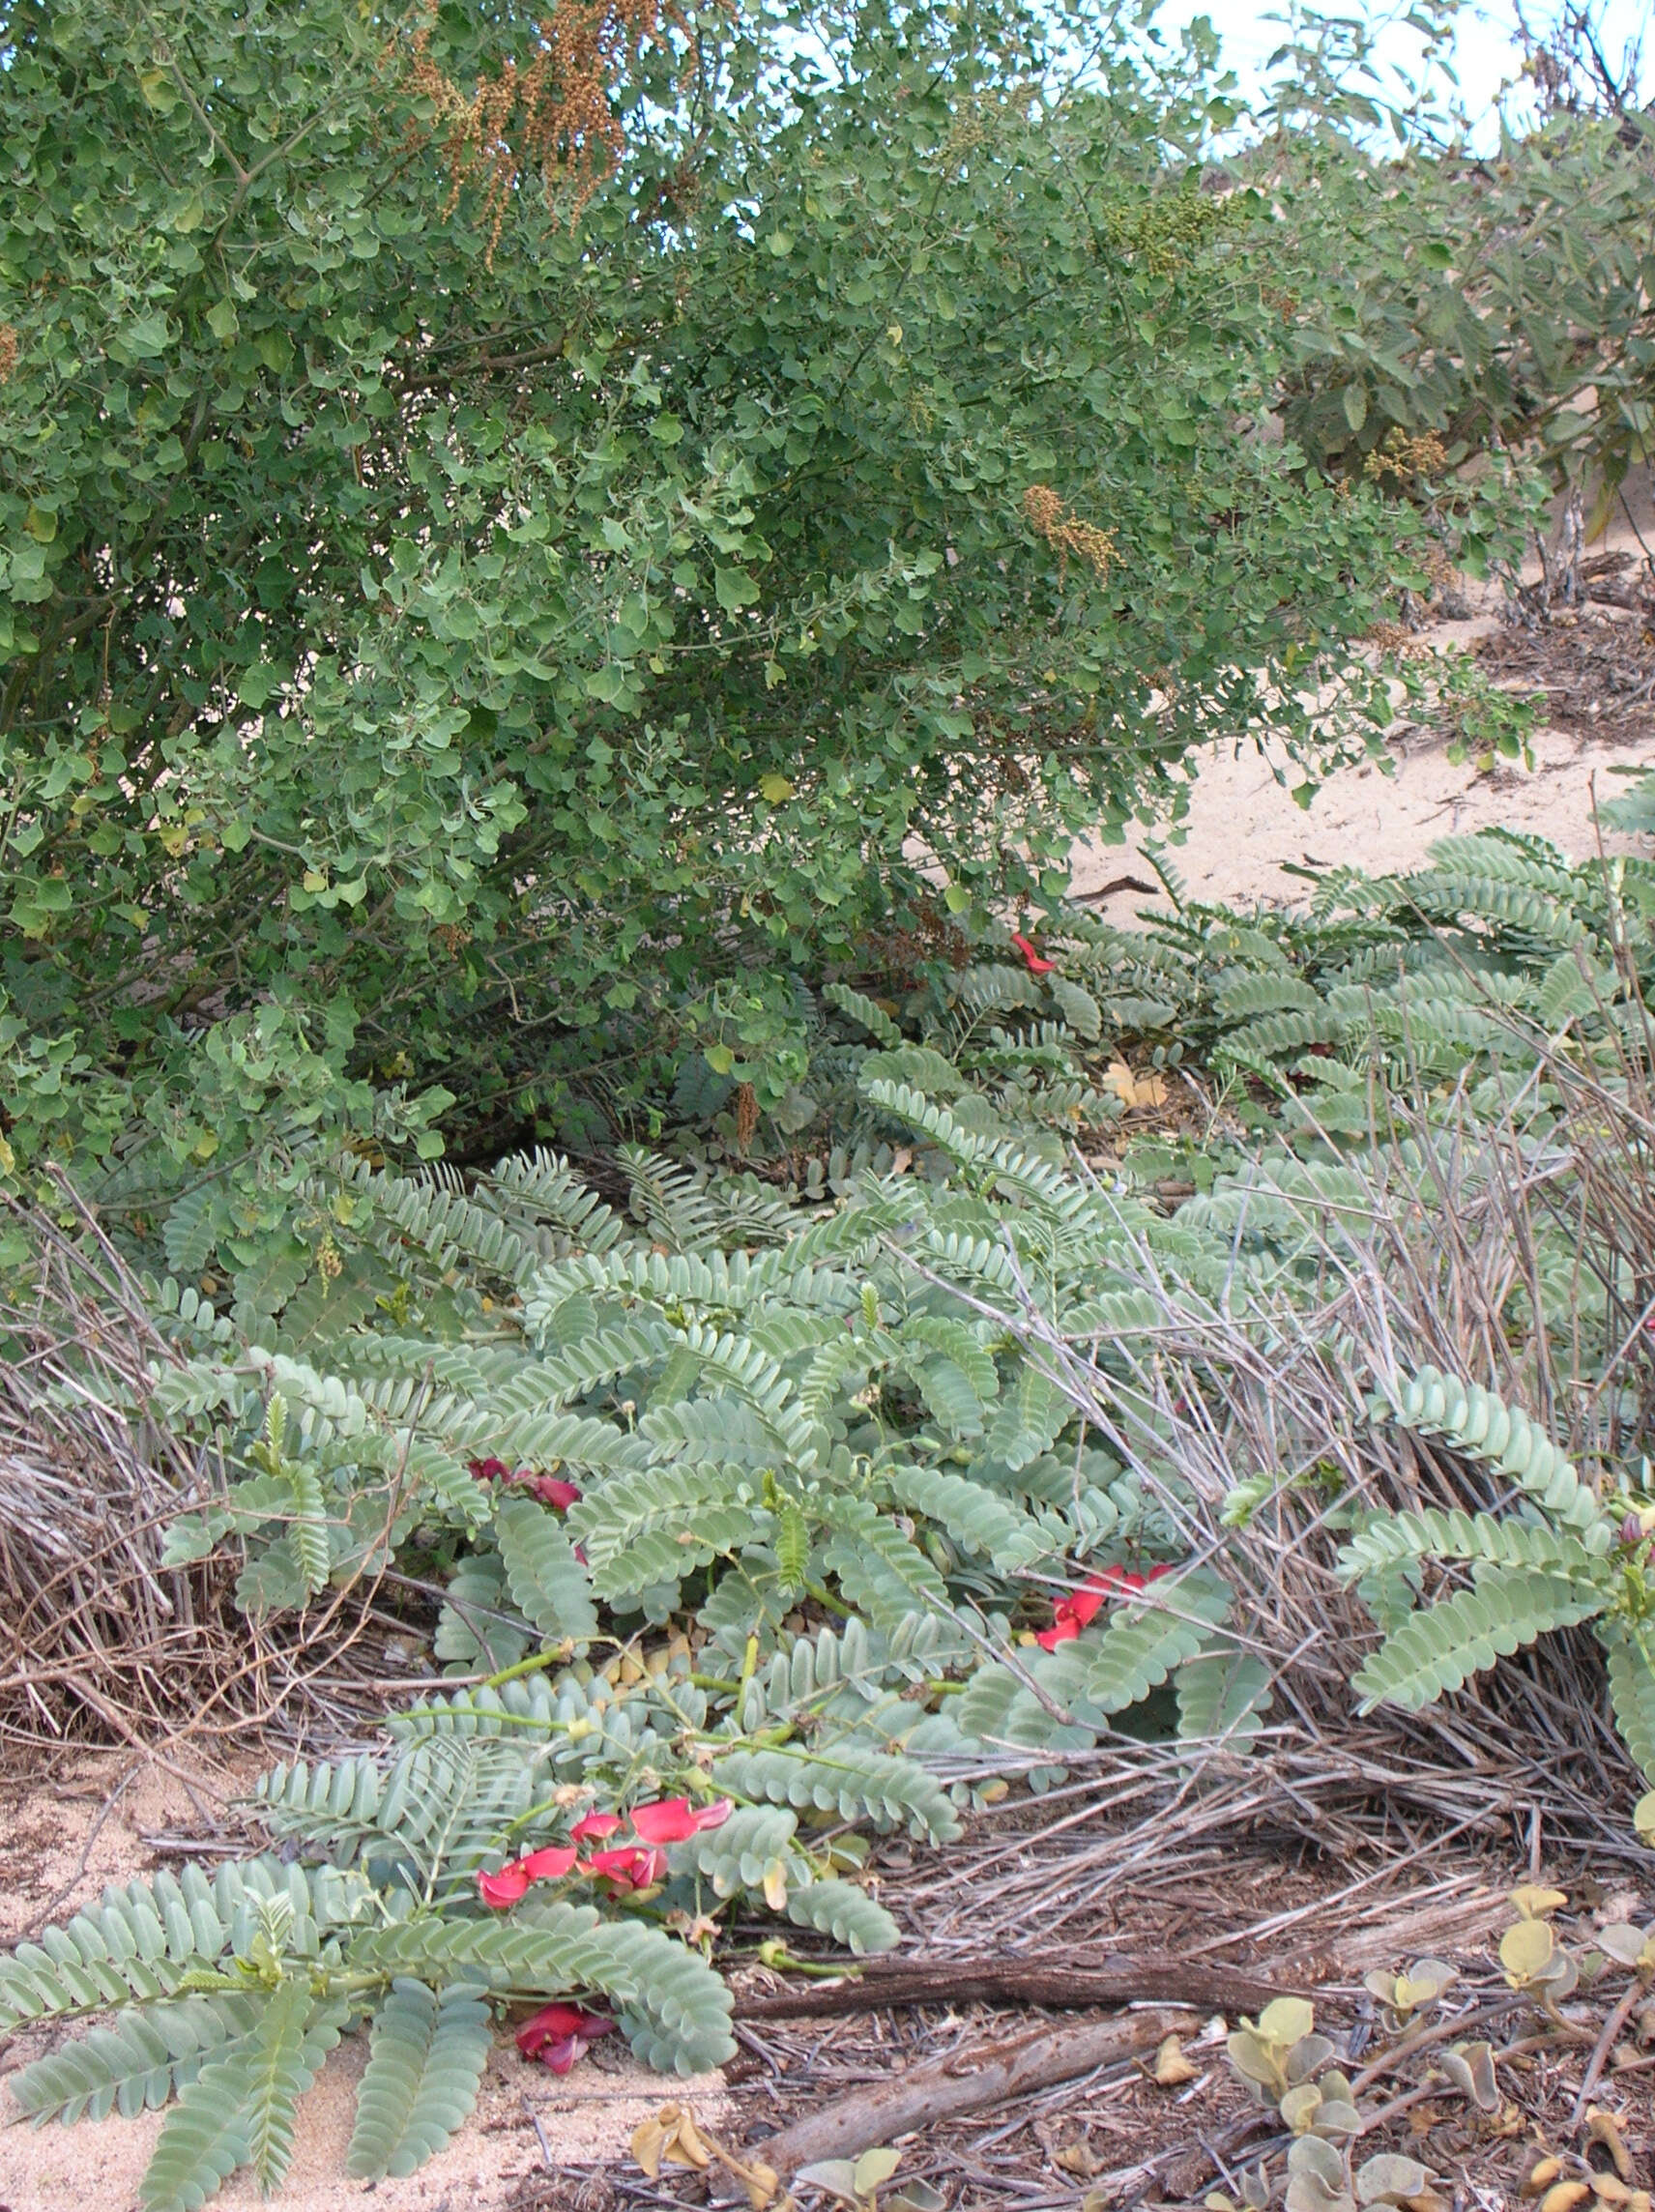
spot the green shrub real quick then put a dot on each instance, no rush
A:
(447, 638)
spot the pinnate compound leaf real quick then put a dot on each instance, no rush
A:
(138, 2061)
(1632, 1692)
(1223, 1696)
(204, 2138)
(1438, 1647)
(1141, 1645)
(547, 1582)
(285, 2051)
(422, 2079)
(847, 1913)
(854, 1783)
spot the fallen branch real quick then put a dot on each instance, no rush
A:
(879, 1983)
(987, 2074)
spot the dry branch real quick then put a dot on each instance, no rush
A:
(98, 1641)
(890, 1982)
(986, 2073)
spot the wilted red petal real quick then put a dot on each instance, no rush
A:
(1166, 1568)
(715, 1814)
(595, 1827)
(550, 1864)
(1031, 959)
(551, 1490)
(505, 1888)
(489, 1470)
(668, 1820)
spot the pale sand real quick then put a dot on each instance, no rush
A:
(1243, 826)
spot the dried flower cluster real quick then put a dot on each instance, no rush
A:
(8, 352)
(1066, 534)
(555, 113)
(1409, 460)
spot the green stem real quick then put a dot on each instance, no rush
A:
(822, 1597)
(555, 1655)
(781, 1961)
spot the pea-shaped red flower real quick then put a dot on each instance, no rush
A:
(560, 2034)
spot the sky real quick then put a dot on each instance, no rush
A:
(1486, 56)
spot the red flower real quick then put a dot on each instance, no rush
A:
(674, 1819)
(595, 1827)
(1070, 1615)
(551, 1864)
(501, 1891)
(630, 1868)
(549, 1489)
(560, 2034)
(1031, 959)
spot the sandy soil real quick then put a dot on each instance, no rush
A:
(98, 1820)
(1244, 828)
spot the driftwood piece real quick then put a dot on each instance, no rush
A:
(986, 2073)
(892, 1982)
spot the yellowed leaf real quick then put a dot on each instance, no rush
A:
(1286, 2020)
(670, 2139)
(1135, 1091)
(649, 2137)
(1564, 2196)
(1526, 1951)
(1172, 2067)
(1533, 1903)
(1603, 2128)
(762, 2184)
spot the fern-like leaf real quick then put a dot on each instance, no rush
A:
(1476, 1422)
(1223, 1698)
(1632, 1691)
(1387, 1539)
(203, 2138)
(1438, 1647)
(284, 2054)
(138, 2061)
(548, 1584)
(1141, 1645)
(422, 2079)
(847, 1913)
(854, 1783)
